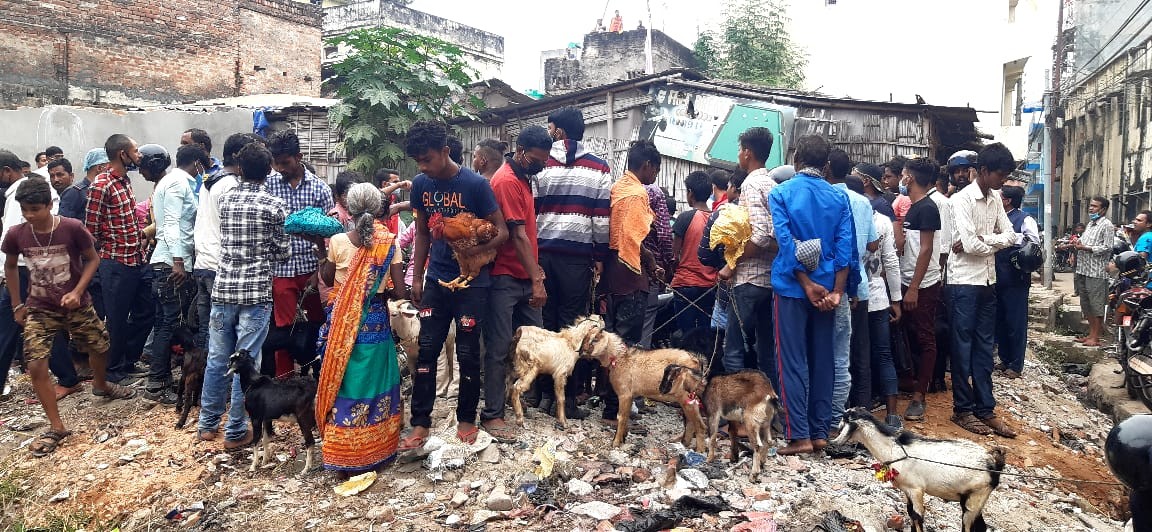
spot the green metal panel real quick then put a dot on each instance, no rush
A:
(741, 117)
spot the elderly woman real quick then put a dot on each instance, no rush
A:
(360, 416)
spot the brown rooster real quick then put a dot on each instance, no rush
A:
(464, 231)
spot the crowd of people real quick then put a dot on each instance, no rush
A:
(855, 281)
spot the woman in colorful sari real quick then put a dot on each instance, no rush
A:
(358, 405)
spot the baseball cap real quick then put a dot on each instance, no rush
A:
(94, 157)
(871, 173)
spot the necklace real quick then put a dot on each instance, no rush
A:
(51, 233)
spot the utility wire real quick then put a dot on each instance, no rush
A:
(1119, 30)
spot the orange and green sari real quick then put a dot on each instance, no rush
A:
(358, 404)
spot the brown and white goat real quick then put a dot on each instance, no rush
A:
(668, 375)
(404, 318)
(953, 470)
(747, 397)
(536, 350)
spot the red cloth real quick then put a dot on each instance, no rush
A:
(690, 272)
(515, 199)
(285, 294)
(111, 219)
(723, 199)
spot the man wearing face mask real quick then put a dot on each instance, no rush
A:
(200, 138)
(124, 273)
(174, 211)
(517, 291)
(1093, 250)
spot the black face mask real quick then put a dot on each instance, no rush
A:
(129, 166)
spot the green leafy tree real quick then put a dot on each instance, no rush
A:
(752, 44)
(388, 79)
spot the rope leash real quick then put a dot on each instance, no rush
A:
(985, 470)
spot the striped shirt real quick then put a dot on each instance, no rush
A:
(311, 192)
(252, 243)
(1098, 235)
(573, 203)
(754, 196)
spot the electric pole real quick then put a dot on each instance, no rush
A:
(1051, 112)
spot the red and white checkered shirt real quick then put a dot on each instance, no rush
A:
(111, 218)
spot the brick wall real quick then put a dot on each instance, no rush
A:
(611, 57)
(133, 52)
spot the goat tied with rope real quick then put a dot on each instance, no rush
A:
(953, 470)
(747, 397)
(536, 350)
(667, 375)
(267, 400)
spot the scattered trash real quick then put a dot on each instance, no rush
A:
(834, 521)
(692, 459)
(696, 478)
(356, 484)
(452, 520)
(601, 511)
(546, 456)
(695, 506)
(61, 497)
(579, 488)
(649, 522)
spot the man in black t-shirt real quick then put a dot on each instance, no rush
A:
(920, 275)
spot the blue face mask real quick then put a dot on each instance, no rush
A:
(903, 190)
(1094, 216)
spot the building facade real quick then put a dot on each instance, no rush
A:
(126, 53)
(608, 57)
(484, 50)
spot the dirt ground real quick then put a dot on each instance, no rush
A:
(126, 466)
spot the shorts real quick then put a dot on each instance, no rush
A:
(83, 326)
(1093, 295)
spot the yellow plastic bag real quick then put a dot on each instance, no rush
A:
(356, 484)
(733, 230)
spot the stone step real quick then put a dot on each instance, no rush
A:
(1106, 392)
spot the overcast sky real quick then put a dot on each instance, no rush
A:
(860, 48)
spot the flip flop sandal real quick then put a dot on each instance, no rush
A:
(411, 443)
(969, 423)
(468, 437)
(48, 442)
(115, 391)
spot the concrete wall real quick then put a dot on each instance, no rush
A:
(610, 57)
(136, 52)
(484, 50)
(28, 130)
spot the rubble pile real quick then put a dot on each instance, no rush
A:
(125, 465)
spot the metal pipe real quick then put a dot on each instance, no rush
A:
(610, 104)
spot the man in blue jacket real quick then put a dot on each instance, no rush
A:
(813, 227)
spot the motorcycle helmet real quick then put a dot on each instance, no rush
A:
(154, 158)
(1128, 451)
(1119, 245)
(1130, 264)
(962, 158)
(1029, 257)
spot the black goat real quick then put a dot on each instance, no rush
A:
(191, 374)
(266, 399)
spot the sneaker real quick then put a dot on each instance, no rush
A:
(127, 380)
(138, 370)
(915, 411)
(164, 396)
(894, 421)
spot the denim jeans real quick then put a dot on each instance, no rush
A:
(973, 328)
(508, 310)
(438, 308)
(883, 367)
(841, 357)
(750, 323)
(130, 313)
(205, 279)
(233, 327)
(170, 302)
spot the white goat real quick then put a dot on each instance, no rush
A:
(404, 318)
(953, 470)
(535, 351)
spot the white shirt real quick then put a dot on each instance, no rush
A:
(883, 267)
(207, 234)
(1031, 232)
(982, 226)
(944, 237)
(13, 216)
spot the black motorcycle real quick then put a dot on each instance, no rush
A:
(1132, 305)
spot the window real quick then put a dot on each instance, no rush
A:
(1012, 104)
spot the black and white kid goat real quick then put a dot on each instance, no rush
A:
(266, 400)
(954, 470)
